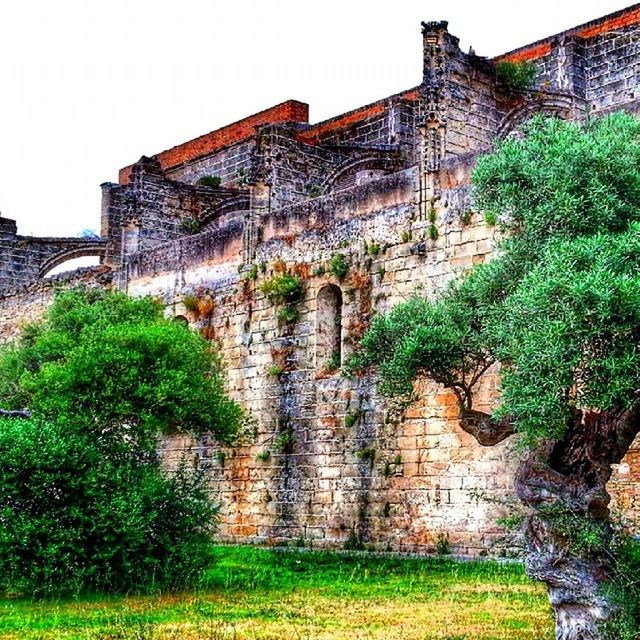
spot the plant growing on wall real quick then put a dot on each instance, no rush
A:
(516, 76)
(191, 225)
(103, 376)
(559, 310)
(284, 289)
(338, 266)
(210, 181)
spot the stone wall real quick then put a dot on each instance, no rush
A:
(331, 461)
(152, 209)
(385, 186)
(26, 259)
(28, 303)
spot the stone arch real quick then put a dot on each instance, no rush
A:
(558, 106)
(329, 351)
(346, 175)
(70, 254)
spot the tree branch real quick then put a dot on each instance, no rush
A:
(18, 413)
(484, 428)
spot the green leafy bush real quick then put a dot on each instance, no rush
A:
(210, 181)
(283, 288)
(516, 76)
(338, 266)
(80, 512)
(85, 501)
(288, 313)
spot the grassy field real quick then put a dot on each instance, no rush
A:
(261, 594)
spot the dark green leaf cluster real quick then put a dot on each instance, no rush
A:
(210, 181)
(283, 288)
(84, 514)
(338, 266)
(559, 306)
(84, 500)
(516, 76)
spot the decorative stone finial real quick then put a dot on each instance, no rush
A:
(432, 27)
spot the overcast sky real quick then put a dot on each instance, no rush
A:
(88, 86)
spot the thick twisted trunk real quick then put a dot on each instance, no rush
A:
(564, 485)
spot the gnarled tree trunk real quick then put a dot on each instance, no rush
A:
(569, 475)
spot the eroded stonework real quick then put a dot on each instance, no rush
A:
(387, 188)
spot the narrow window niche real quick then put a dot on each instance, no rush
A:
(329, 328)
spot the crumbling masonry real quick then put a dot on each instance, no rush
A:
(387, 188)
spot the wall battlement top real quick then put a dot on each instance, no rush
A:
(286, 112)
(605, 24)
(293, 111)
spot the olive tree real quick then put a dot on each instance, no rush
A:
(558, 309)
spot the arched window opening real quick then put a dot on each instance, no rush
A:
(329, 328)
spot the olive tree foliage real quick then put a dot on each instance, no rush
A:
(84, 500)
(558, 308)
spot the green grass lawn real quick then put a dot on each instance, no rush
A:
(263, 594)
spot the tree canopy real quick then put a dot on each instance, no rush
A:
(558, 306)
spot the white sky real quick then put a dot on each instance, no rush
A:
(88, 87)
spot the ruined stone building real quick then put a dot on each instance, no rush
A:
(386, 187)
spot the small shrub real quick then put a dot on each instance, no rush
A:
(516, 76)
(241, 177)
(367, 454)
(190, 302)
(263, 456)
(491, 218)
(287, 313)
(333, 364)
(314, 191)
(338, 266)
(373, 249)
(282, 288)
(319, 271)
(406, 236)
(433, 232)
(391, 466)
(191, 225)
(210, 181)
(351, 419)
(106, 518)
(221, 456)
(251, 273)
(284, 441)
(443, 547)
(275, 370)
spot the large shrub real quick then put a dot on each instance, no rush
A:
(84, 500)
